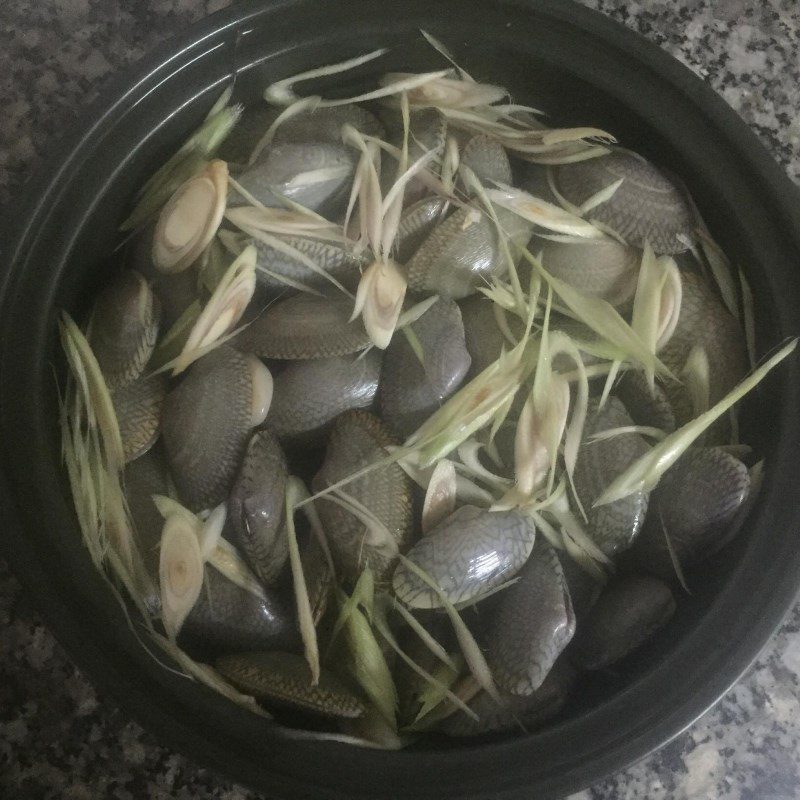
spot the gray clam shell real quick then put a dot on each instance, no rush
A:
(308, 395)
(206, 424)
(469, 553)
(138, 408)
(411, 390)
(416, 223)
(487, 158)
(532, 625)
(613, 526)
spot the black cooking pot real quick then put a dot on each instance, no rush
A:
(555, 55)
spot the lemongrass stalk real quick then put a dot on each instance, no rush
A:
(645, 473)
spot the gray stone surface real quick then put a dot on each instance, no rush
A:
(58, 739)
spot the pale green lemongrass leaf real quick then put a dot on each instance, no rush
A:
(425, 637)
(440, 495)
(603, 196)
(671, 300)
(721, 269)
(469, 647)
(469, 492)
(562, 201)
(305, 618)
(696, 377)
(468, 452)
(290, 282)
(647, 305)
(644, 473)
(605, 228)
(613, 372)
(429, 697)
(363, 594)
(442, 50)
(291, 110)
(748, 318)
(551, 533)
(641, 430)
(415, 344)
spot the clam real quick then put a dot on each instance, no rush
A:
(357, 540)
(705, 323)
(256, 507)
(416, 223)
(305, 326)
(207, 422)
(316, 175)
(582, 587)
(309, 395)
(613, 526)
(464, 252)
(124, 328)
(482, 333)
(646, 406)
(514, 711)
(318, 575)
(695, 503)
(414, 384)
(645, 207)
(284, 679)
(138, 408)
(532, 624)
(468, 554)
(229, 618)
(627, 613)
(277, 268)
(601, 268)
(487, 159)
(325, 124)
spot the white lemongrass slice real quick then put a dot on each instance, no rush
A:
(440, 497)
(262, 390)
(190, 219)
(696, 378)
(539, 432)
(223, 310)
(379, 300)
(443, 92)
(671, 299)
(645, 473)
(603, 196)
(180, 572)
(542, 213)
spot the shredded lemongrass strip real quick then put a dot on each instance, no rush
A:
(471, 465)
(645, 473)
(369, 665)
(562, 201)
(564, 156)
(386, 633)
(376, 533)
(222, 312)
(641, 430)
(441, 49)
(601, 317)
(424, 635)
(446, 92)
(363, 594)
(479, 598)
(440, 496)
(292, 110)
(696, 377)
(290, 282)
(469, 492)
(305, 618)
(429, 698)
(469, 647)
(748, 318)
(647, 305)
(226, 559)
(552, 535)
(673, 556)
(603, 196)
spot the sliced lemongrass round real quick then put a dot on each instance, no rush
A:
(190, 219)
(180, 572)
(379, 299)
(440, 497)
(262, 390)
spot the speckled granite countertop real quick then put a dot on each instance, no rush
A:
(58, 739)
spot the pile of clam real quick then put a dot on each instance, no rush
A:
(385, 374)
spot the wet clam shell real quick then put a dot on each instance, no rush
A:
(646, 407)
(285, 679)
(309, 395)
(333, 258)
(416, 224)
(358, 439)
(530, 711)
(646, 207)
(464, 252)
(629, 611)
(487, 158)
(305, 326)
(601, 268)
(206, 424)
(411, 390)
(257, 504)
(279, 171)
(469, 553)
(532, 624)
(613, 526)
(482, 335)
(228, 618)
(704, 321)
(695, 501)
(138, 408)
(124, 328)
